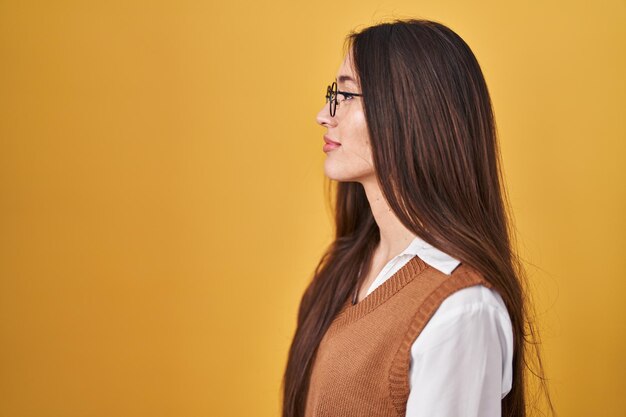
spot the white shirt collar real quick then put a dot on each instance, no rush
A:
(431, 255)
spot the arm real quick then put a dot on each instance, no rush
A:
(461, 362)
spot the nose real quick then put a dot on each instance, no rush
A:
(323, 116)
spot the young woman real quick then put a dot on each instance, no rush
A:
(417, 308)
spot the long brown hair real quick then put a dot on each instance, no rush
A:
(435, 153)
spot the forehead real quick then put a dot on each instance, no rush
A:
(346, 74)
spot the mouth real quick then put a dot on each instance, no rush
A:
(330, 144)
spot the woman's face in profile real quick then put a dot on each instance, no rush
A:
(352, 160)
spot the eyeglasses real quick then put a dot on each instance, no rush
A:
(331, 95)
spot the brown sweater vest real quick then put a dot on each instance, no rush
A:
(361, 367)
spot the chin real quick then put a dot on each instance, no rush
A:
(338, 173)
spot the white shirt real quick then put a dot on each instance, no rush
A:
(462, 361)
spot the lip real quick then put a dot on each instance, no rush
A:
(330, 144)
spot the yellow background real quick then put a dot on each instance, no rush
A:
(162, 203)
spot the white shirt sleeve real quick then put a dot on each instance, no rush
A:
(461, 363)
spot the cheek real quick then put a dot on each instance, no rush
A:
(361, 134)
(356, 125)
(358, 148)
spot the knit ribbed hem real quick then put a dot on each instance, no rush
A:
(399, 387)
(383, 292)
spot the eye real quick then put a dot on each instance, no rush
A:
(347, 96)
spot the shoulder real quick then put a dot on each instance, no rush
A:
(475, 310)
(473, 296)
(470, 290)
(478, 301)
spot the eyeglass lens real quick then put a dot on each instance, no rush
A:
(331, 95)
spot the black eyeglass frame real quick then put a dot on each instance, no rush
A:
(331, 95)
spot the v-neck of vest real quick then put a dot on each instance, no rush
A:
(409, 271)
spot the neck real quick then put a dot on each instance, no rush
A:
(394, 236)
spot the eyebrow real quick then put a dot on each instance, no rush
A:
(344, 78)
